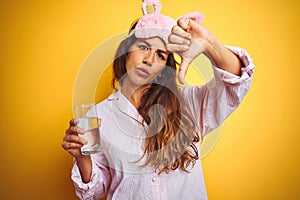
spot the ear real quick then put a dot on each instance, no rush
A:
(197, 16)
(151, 7)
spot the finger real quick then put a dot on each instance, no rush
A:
(176, 47)
(73, 122)
(75, 139)
(182, 70)
(177, 30)
(175, 39)
(68, 145)
(184, 23)
(75, 130)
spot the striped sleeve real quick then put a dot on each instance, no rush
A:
(99, 183)
(213, 102)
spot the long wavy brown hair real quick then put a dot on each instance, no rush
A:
(172, 132)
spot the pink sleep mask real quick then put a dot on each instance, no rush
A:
(153, 24)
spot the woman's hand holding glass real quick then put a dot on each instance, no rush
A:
(72, 143)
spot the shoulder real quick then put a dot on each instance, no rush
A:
(191, 90)
(108, 102)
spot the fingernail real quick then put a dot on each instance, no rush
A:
(181, 79)
(74, 121)
(184, 47)
(84, 141)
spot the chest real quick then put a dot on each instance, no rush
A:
(122, 137)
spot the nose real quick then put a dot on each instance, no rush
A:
(149, 58)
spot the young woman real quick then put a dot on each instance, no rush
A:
(150, 127)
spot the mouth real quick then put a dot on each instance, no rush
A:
(142, 72)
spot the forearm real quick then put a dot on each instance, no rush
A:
(91, 176)
(85, 167)
(223, 57)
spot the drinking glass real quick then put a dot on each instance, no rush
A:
(87, 116)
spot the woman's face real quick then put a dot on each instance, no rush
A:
(146, 59)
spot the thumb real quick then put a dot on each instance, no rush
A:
(182, 70)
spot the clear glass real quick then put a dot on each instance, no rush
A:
(87, 116)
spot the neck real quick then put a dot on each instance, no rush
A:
(134, 93)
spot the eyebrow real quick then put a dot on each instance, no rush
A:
(148, 44)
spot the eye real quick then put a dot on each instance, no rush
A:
(160, 56)
(143, 47)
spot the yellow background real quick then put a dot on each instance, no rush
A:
(43, 44)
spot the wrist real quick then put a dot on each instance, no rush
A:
(84, 163)
(82, 158)
(217, 51)
(212, 46)
(223, 57)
